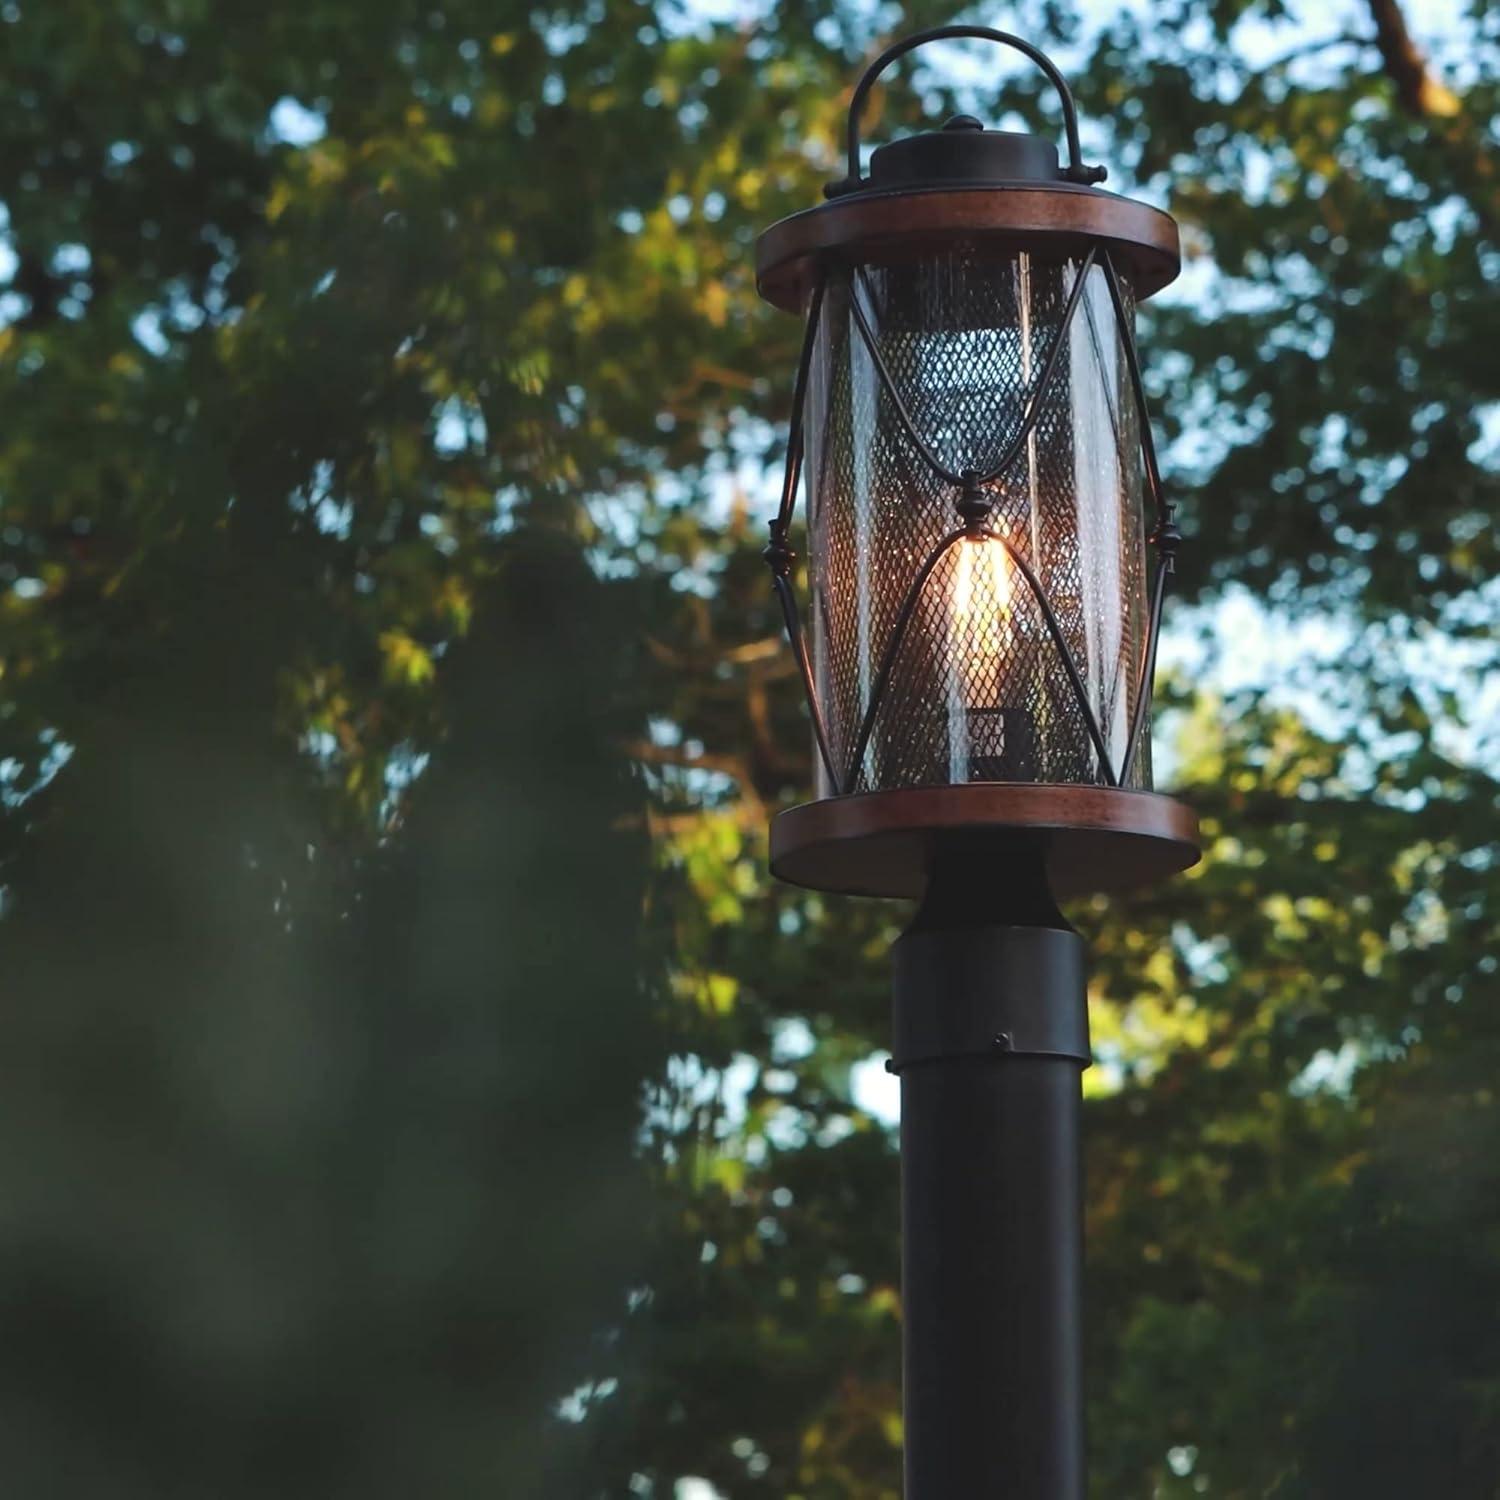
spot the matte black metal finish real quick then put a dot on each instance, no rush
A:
(972, 1016)
(957, 154)
(1075, 171)
(991, 1206)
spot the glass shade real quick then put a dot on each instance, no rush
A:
(976, 687)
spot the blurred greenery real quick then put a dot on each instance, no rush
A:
(410, 1080)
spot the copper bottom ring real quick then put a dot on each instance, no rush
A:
(1096, 839)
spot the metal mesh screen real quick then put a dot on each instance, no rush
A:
(977, 690)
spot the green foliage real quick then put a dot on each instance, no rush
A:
(353, 1114)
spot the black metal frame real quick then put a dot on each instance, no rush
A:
(973, 508)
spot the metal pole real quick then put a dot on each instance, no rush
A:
(991, 1026)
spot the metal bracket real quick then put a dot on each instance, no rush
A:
(993, 993)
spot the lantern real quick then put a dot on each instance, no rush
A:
(982, 489)
(988, 545)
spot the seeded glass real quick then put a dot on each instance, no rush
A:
(978, 690)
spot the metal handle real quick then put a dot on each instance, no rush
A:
(1075, 171)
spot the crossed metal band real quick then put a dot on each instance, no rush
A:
(974, 509)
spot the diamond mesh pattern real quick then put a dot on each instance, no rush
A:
(978, 691)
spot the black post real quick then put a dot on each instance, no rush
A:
(991, 1024)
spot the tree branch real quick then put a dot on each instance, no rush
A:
(1427, 98)
(1420, 93)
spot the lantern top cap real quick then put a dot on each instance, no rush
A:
(963, 151)
(965, 183)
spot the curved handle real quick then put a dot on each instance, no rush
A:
(1075, 171)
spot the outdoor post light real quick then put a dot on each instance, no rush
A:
(978, 663)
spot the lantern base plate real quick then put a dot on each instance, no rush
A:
(1094, 839)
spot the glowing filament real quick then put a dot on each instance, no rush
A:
(981, 616)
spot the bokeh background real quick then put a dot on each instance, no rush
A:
(410, 1082)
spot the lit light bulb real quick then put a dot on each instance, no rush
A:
(981, 614)
(989, 738)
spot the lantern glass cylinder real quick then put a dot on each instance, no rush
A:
(977, 689)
